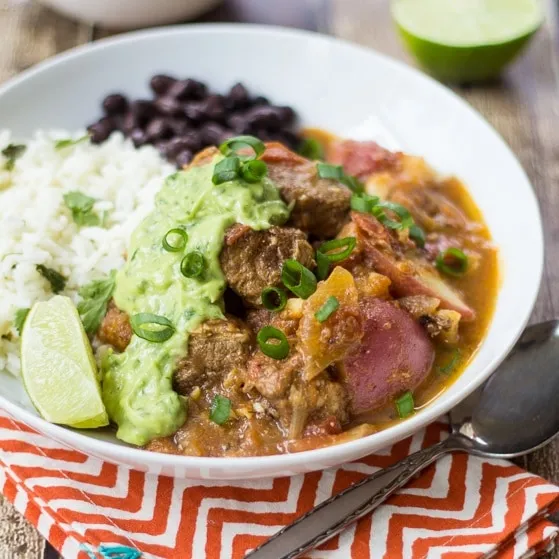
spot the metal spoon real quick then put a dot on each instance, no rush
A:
(515, 413)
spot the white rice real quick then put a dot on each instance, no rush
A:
(37, 228)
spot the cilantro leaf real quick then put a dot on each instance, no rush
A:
(19, 319)
(57, 281)
(67, 142)
(95, 297)
(81, 207)
(11, 152)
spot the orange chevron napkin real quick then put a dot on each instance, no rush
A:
(460, 508)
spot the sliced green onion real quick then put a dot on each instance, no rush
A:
(311, 149)
(276, 349)
(254, 170)
(406, 220)
(324, 256)
(193, 264)
(233, 145)
(143, 326)
(452, 262)
(226, 170)
(363, 202)
(179, 244)
(298, 279)
(329, 171)
(355, 185)
(405, 404)
(417, 235)
(220, 410)
(274, 299)
(451, 365)
(330, 306)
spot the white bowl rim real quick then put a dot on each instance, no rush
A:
(288, 461)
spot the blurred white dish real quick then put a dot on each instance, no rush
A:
(130, 14)
(352, 91)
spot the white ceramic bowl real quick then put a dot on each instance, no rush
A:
(345, 88)
(129, 14)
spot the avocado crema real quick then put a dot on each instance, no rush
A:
(137, 384)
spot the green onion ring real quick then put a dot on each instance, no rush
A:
(298, 279)
(405, 404)
(278, 350)
(311, 149)
(329, 171)
(226, 170)
(254, 170)
(220, 410)
(232, 145)
(175, 247)
(330, 306)
(417, 235)
(139, 321)
(459, 262)
(193, 265)
(274, 299)
(406, 220)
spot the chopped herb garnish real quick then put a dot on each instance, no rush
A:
(336, 172)
(298, 279)
(19, 319)
(81, 207)
(57, 281)
(329, 307)
(417, 235)
(67, 142)
(452, 262)
(152, 327)
(274, 299)
(273, 342)
(95, 297)
(451, 365)
(11, 153)
(220, 410)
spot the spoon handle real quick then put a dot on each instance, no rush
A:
(334, 515)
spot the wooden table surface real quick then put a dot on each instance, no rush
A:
(523, 107)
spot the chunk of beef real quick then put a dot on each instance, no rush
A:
(215, 348)
(115, 329)
(321, 205)
(395, 355)
(252, 260)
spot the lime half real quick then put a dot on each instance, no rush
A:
(58, 367)
(466, 40)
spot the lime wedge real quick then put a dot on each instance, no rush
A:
(58, 367)
(466, 40)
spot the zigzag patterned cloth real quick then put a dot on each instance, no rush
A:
(461, 508)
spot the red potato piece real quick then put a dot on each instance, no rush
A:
(395, 355)
(409, 277)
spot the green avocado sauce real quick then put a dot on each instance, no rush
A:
(137, 384)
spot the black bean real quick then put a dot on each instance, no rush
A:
(162, 146)
(178, 126)
(238, 123)
(176, 145)
(101, 130)
(212, 107)
(194, 111)
(129, 123)
(212, 134)
(139, 137)
(160, 83)
(286, 115)
(167, 105)
(115, 104)
(142, 109)
(260, 100)
(238, 97)
(158, 129)
(192, 141)
(264, 117)
(188, 89)
(184, 158)
(289, 139)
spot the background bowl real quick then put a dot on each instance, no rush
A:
(350, 90)
(129, 14)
